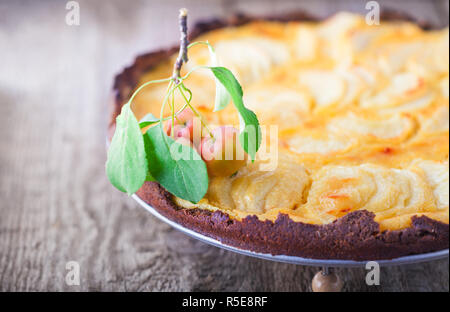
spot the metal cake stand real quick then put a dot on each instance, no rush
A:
(327, 265)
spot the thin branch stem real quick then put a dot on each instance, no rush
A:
(166, 98)
(192, 70)
(176, 81)
(193, 44)
(172, 112)
(182, 54)
(169, 117)
(180, 87)
(146, 84)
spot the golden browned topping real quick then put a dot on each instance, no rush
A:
(362, 114)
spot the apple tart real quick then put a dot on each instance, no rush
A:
(361, 114)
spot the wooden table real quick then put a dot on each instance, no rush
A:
(56, 204)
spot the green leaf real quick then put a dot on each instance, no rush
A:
(149, 177)
(126, 166)
(148, 120)
(250, 132)
(222, 98)
(178, 168)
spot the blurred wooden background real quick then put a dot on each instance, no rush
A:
(56, 204)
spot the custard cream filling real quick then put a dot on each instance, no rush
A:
(362, 115)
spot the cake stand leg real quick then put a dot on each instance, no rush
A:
(326, 281)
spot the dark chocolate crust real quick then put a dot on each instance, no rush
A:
(355, 236)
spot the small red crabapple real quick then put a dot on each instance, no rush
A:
(186, 125)
(222, 152)
(183, 125)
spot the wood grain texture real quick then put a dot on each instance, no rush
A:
(56, 204)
